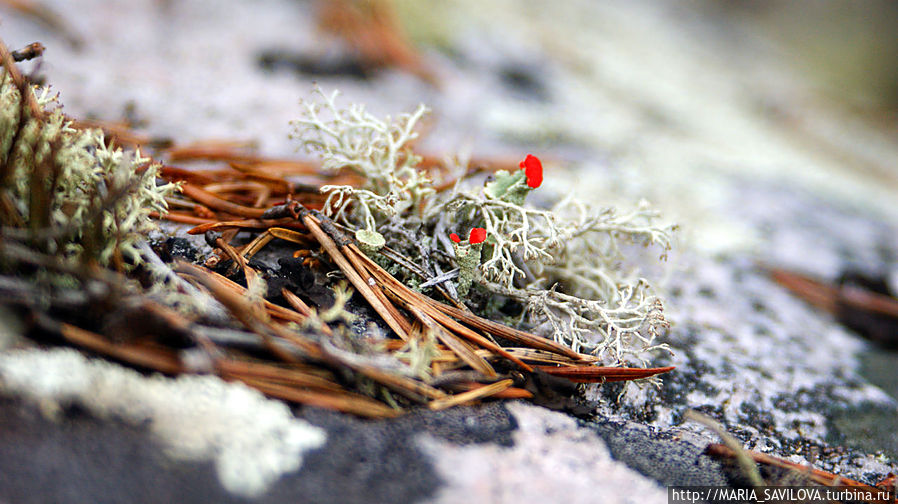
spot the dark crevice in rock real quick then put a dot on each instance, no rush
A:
(658, 455)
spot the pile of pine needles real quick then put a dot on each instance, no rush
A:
(476, 358)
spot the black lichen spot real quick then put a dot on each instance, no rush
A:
(302, 281)
(658, 455)
(759, 306)
(79, 458)
(761, 420)
(490, 423)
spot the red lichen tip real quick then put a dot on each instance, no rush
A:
(478, 235)
(533, 169)
(454, 237)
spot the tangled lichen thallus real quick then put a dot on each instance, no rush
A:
(604, 308)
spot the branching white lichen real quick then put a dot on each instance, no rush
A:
(377, 149)
(570, 262)
(565, 265)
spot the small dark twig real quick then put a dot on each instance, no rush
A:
(31, 51)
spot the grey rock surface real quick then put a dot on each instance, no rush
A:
(551, 457)
(777, 373)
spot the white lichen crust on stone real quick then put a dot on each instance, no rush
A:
(252, 440)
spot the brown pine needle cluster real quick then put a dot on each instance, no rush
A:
(468, 363)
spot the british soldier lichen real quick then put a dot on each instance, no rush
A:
(467, 256)
(514, 187)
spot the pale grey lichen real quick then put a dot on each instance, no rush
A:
(377, 149)
(565, 264)
(509, 475)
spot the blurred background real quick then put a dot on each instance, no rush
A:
(705, 108)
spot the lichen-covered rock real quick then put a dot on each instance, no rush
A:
(777, 373)
(728, 142)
